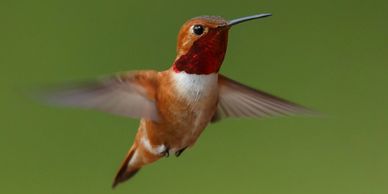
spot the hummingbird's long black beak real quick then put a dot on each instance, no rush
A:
(247, 18)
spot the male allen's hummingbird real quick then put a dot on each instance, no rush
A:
(175, 105)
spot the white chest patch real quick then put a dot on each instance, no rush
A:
(193, 86)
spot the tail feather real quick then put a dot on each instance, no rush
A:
(126, 170)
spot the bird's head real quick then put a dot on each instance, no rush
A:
(202, 43)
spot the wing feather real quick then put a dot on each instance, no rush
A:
(238, 100)
(129, 94)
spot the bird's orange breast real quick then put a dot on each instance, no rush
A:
(186, 105)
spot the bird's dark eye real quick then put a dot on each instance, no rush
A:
(198, 29)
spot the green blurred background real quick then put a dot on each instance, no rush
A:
(328, 55)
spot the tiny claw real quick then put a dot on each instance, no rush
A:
(166, 152)
(179, 152)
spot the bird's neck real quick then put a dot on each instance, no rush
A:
(198, 64)
(205, 56)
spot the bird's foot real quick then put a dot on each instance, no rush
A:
(179, 152)
(166, 153)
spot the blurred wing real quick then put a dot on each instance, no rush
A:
(238, 100)
(130, 94)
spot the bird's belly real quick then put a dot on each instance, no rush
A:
(186, 106)
(187, 124)
(186, 134)
(197, 105)
(179, 133)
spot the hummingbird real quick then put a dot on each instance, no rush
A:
(175, 105)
